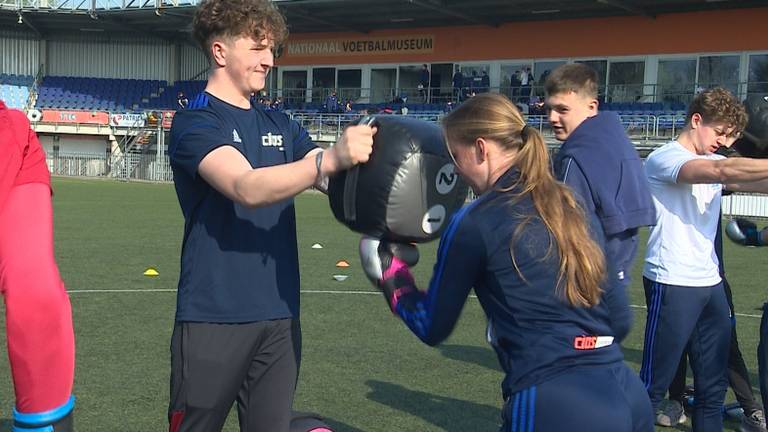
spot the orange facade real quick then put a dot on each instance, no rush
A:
(699, 32)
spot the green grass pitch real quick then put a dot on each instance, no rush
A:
(361, 368)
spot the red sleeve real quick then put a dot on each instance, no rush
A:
(22, 159)
(10, 156)
(34, 168)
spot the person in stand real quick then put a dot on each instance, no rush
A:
(424, 81)
(181, 101)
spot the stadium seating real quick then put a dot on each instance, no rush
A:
(168, 98)
(100, 94)
(120, 95)
(14, 89)
(661, 118)
(316, 107)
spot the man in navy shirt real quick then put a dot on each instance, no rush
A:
(332, 103)
(601, 165)
(424, 80)
(236, 169)
(458, 85)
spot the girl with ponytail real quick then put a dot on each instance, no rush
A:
(536, 264)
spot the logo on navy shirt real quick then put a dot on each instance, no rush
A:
(270, 140)
(592, 342)
(236, 136)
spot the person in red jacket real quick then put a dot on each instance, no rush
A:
(41, 341)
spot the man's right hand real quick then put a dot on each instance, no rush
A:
(354, 147)
(744, 232)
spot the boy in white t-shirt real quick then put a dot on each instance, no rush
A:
(683, 289)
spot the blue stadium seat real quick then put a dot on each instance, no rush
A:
(14, 89)
(94, 93)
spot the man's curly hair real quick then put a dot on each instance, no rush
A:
(718, 105)
(235, 18)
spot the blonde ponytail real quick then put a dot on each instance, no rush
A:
(582, 263)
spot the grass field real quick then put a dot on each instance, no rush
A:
(361, 368)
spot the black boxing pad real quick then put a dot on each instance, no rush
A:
(407, 190)
(754, 141)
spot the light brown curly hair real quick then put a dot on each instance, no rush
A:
(234, 18)
(718, 105)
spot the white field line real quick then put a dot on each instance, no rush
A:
(304, 292)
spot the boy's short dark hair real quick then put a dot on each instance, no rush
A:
(718, 105)
(575, 77)
(234, 18)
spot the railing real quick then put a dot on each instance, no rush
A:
(644, 130)
(614, 93)
(156, 168)
(141, 155)
(329, 127)
(123, 164)
(674, 97)
(742, 204)
(32, 98)
(78, 164)
(148, 167)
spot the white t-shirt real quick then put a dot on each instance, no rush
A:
(681, 246)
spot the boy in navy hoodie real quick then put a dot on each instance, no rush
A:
(598, 161)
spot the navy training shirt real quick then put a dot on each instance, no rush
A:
(238, 264)
(613, 171)
(535, 332)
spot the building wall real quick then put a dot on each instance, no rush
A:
(194, 65)
(110, 57)
(19, 53)
(717, 31)
(79, 144)
(105, 56)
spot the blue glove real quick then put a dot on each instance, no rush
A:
(743, 232)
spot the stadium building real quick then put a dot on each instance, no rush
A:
(100, 79)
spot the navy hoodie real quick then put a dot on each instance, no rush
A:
(613, 171)
(601, 165)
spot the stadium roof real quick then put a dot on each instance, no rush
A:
(169, 19)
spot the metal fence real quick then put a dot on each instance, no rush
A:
(149, 167)
(78, 164)
(646, 131)
(614, 93)
(326, 128)
(329, 127)
(743, 204)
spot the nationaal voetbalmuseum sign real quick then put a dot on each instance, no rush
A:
(417, 44)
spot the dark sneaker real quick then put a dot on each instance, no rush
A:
(670, 413)
(754, 422)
